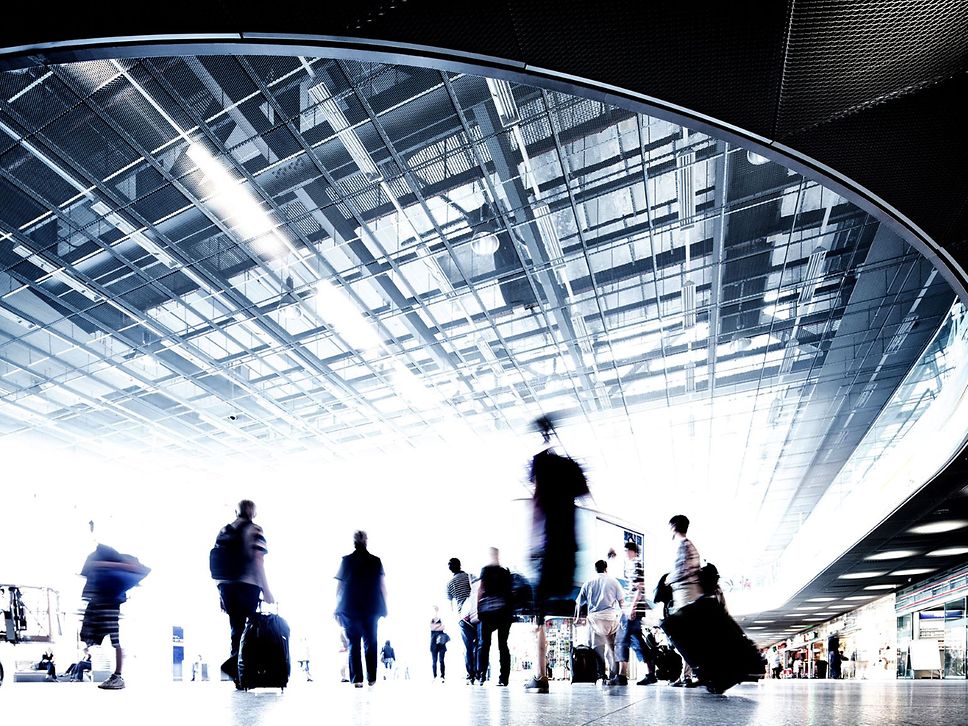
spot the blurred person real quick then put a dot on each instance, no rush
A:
(602, 595)
(775, 666)
(108, 576)
(458, 591)
(362, 601)
(557, 481)
(387, 656)
(344, 655)
(684, 581)
(75, 672)
(833, 656)
(241, 577)
(630, 637)
(494, 610)
(438, 644)
(47, 664)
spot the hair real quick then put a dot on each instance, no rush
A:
(359, 539)
(247, 509)
(454, 564)
(680, 523)
(631, 545)
(601, 566)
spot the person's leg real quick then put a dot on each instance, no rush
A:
(642, 649)
(468, 633)
(434, 649)
(443, 668)
(623, 640)
(503, 631)
(370, 648)
(484, 649)
(354, 634)
(542, 651)
(609, 630)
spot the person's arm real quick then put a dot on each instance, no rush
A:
(383, 590)
(260, 574)
(579, 601)
(638, 583)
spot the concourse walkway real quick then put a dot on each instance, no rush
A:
(772, 703)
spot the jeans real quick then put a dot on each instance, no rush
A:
(239, 601)
(469, 634)
(503, 627)
(630, 636)
(363, 628)
(437, 653)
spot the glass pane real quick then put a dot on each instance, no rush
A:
(954, 639)
(905, 625)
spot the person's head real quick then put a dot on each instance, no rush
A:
(359, 539)
(631, 549)
(387, 643)
(454, 565)
(246, 509)
(601, 566)
(679, 525)
(495, 555)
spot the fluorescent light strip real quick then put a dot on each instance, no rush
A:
(501, 94)
(947, 525)
(892, 555)
(58, 273)
(861, 575)
(335, 308)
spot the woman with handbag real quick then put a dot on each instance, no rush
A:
(438, 643)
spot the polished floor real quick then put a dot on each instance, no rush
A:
(772, 703)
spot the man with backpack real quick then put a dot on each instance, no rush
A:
(236, 562)
(458, 591)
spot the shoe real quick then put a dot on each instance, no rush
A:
(357, 685)
(114, 683)
(678, 684)
(617, 681)
(537, 685)
(470, 681)
(50, 679)
(502, 684)
(370, 683)
(647, 681)
(692, 683)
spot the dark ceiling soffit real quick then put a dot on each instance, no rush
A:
(368, 50)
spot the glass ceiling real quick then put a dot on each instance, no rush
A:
(257, 256)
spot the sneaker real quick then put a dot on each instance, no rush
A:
(678, 684)
(357, 685)
(647, 681)
(537, 685)
(370, 683)
(114, 683)
(470, 681)
(693, 683)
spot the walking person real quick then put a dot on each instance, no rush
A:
(630, 637)
(109, 574)
(387, 656)
(494, 609)
(557, 481)
(603, 596)
(361, 596)
(237, 564)
(458, 591)
(684, 581)
(438, 644)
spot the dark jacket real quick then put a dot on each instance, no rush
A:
(362, 594)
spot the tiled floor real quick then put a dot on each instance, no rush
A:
(772, 703)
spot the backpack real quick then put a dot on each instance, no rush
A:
(709, 579)
(228, 559)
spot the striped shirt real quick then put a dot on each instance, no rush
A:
(459, 588)
(684, 578)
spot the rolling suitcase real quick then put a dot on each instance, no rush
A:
(714, 645)
(264, 652)
(585, 665)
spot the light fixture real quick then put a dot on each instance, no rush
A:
(860, 575)
(902, 333)
(764, 622)
(880, 587)
(756, 627)
(688, 304)
(813, 275)
(820, 599)
(809, 607)
(337, 121)
(892, 555)
(860, 597)
(501, 94)
(756, 159)
(948, 552)
(335, 308)
(485, 225)
(686, 190)
(913, 571)
(946, 525)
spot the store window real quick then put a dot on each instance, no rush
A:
(905, 634)
(954, 639)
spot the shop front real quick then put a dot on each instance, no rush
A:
(932, 630)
